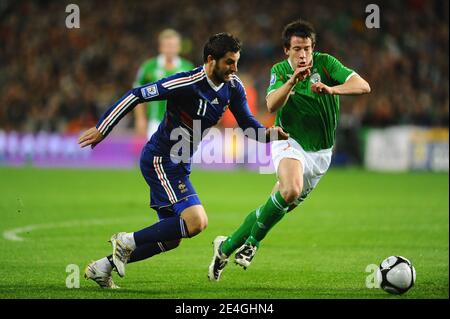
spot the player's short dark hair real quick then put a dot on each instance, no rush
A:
(299, 28)
(219, 44)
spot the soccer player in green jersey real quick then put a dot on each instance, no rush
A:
(304, 92)
(168, 62)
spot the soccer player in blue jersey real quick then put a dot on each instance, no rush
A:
(198, 96)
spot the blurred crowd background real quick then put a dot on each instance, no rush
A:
(58, 79)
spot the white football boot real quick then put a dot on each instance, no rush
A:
(103, 279)
(121, 252)
(219, 260)
(244, 255)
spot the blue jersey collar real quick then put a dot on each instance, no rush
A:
(211, 83)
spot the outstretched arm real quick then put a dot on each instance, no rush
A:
(156, 91)
(245, 119)
(110, 118)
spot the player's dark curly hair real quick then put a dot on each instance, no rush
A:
(219, 44)
(299, 28)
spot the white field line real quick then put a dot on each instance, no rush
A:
(15, 233)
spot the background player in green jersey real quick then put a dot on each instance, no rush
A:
(304, 91)
(168, 62)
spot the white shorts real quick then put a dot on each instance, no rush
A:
(315, 164)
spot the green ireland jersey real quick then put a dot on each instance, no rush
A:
(152, 70)
(310, 118)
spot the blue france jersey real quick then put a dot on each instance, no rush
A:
(190, 96)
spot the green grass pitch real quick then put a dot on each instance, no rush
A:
(353, 219)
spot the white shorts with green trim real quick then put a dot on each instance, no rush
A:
(315, 164)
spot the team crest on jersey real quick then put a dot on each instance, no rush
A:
(315, 77)
(273, 78)
(182, 187)
(149, 91)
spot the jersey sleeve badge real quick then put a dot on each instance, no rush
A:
(149, 91)
(273, 78)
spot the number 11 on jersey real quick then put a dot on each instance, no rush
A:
(202, 107)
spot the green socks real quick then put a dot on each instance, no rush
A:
(270, 214)
(257, 224)
(238, 238)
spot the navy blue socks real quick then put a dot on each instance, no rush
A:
(167, 229)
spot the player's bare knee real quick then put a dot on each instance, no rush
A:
(201, 223)
(196, 219)
(195, 230)
(291, 193)
(197, 224)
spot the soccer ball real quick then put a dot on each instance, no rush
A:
(396, 275)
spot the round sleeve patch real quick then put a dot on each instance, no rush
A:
(273, 78)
